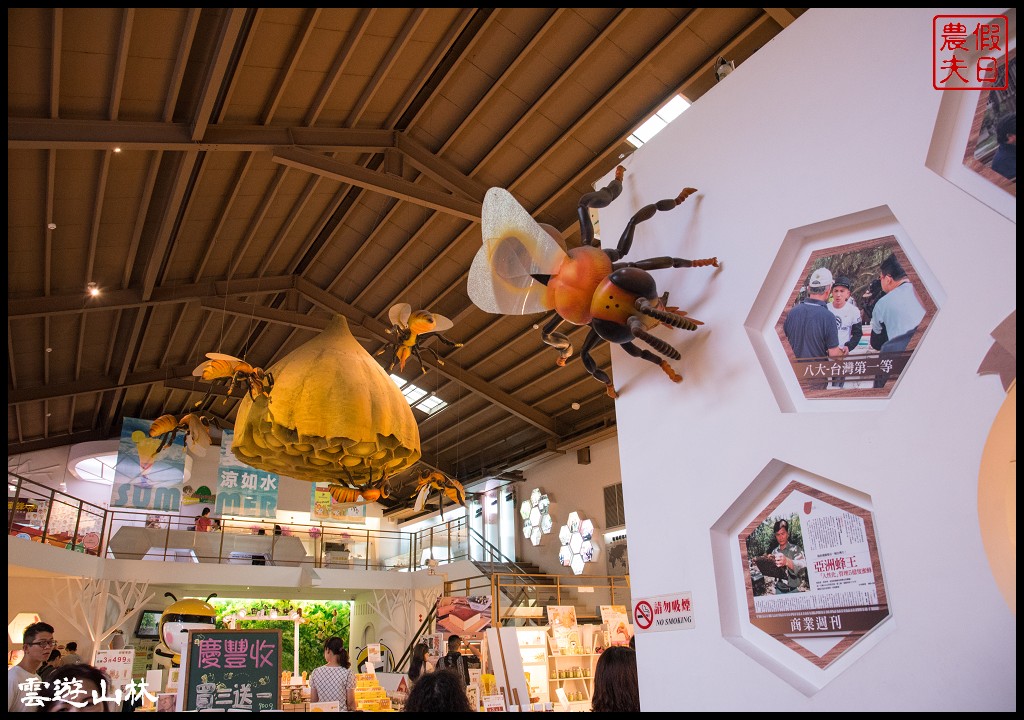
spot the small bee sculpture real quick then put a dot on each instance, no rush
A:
(195, 425)
(407, 327)
(444, 485)
(522, 269)
(237, 372)
(360, 496)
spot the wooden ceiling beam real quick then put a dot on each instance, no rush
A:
(378, 182)
(95, 385)
(25, 134)
(132, 298)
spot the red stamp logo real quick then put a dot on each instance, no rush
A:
(969, 52)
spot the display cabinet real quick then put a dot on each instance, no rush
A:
(573, 673)
(533, 648)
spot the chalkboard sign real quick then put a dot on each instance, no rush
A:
(233, 670)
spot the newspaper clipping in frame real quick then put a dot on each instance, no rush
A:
(813, 566)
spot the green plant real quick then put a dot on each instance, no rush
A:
(321, 620)
(762, 540)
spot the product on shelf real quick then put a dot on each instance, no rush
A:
(370, 696)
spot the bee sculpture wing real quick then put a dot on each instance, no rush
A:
(219, 360)
(421, 498)
(399, 314)
(441, 323)
(162, 425)
(198, 435)
(515, 247)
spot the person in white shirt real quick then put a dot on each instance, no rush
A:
(24, 687)
(848, 318)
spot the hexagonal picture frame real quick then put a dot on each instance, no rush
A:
(994, 119)
(814, 572)
(968, 130)
(799, 575)
(869, 362)
(842, 311)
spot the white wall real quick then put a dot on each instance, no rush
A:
(570, 486)
(833, 117)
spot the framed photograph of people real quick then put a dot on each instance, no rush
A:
(974, 143)
(812, 572)
(992, 143)
(855, 315)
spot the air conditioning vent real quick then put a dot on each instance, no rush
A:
(614, 510)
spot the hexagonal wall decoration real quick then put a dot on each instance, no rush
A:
(799, 554)
(536, 520)
(578, 547)
(865, 272)
(880, 318)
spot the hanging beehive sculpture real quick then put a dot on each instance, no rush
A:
(334, 415)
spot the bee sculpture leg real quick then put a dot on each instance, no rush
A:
(651, 357)
(557, 340)
(660, 263)
(588, 362)
(646, 213)
(419, 359)
(598, 199)
(394, 355)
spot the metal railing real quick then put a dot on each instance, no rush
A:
(585, 592)
(39, 513)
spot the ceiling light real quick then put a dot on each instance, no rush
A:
(93, 289)
(723, 67)
(51, 226)
(575, 405)
(117, 149)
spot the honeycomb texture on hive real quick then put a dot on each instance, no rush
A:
(334, 415)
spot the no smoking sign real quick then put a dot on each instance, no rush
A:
(643, 615)
(663, 612)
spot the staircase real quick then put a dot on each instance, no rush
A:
(533, 589)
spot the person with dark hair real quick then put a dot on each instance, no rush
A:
(896, 315)
(1004, 161)
(204, 522)
(849, 323)
(789, 556)
(439, 691)
(848, 318)
(71, 657)
(454, 659)
(420, 665)
(78, 688)
(49, 666)
(616, 687)
(334, 681)
(37, 646)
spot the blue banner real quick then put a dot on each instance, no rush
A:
(243, 490)
(144, 478)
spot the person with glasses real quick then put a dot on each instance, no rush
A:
(37, 643)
